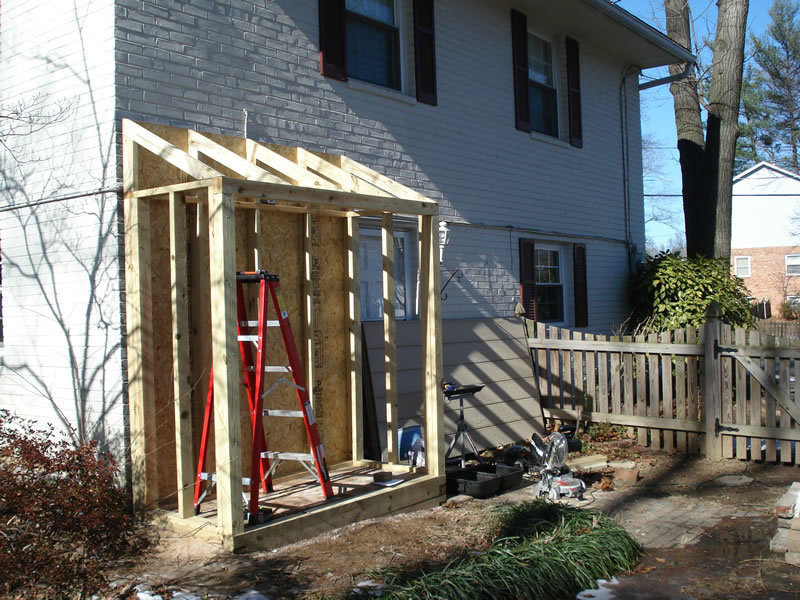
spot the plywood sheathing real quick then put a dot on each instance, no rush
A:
(305, 230)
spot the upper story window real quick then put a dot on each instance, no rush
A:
(793, 264)
(741, 266)
(542, 96)
(539, 94)
(373, 42)
(378, 41)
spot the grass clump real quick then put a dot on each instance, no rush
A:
(543, 550)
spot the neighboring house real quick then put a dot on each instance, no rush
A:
(765, 234)
(520, 118)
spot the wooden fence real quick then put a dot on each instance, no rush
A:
(781, 329)
(659, 386)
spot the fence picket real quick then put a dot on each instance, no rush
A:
(785, 419)
(726, 389)
(591, 378)
(545, 393)
(641, 393)
(567, 395)
(666, 391)
(680, 390)
(756, 403)
(556, 382)
(627, 406)
(602, 378)
(578, 356)
(692, 391)
(615, 373)
(769, 367)
(741, 397)
(655, 434)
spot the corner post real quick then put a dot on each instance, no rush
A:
(389, 336)
(225, 356)
(431, 326)
(712, 393)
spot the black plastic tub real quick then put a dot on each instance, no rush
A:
(473, 483)
(510, 477)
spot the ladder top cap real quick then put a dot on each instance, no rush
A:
(248, 276)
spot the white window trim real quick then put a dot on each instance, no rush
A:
(749, 267)
(556, 57)
(565, 272)
(786, 262)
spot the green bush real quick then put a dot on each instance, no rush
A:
(669, 292)
(62, 515)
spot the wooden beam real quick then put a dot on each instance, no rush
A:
(141, 382)
(380, 181)
(163, 149)
(769, 385)
(181, 361)
(617, 346)
(130, 165)
(354, 328)
(225, 353)
(389, 336)
(430, 301)
(570, 414)
(237, 164)
(333, 172)
(310, 286)
(295, 173)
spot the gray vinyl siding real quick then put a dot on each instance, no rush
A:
(62, 359)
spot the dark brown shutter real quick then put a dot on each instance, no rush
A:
(580, 286)
(527, 277)
(519, 55)
(574, 93)
(424, 52)
(332, 39)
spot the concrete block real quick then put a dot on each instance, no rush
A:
(793, 558)
(778, 541)
(795, 523)
(784, 523)
(786, 505)
(628, 475)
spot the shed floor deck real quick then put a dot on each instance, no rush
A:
(301, 492)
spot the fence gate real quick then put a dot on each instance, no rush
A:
(660, 387)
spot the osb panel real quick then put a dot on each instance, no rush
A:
(155, 171)
(162, 349)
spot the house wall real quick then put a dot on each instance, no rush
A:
(202, 64)
(768, 279)
(764, 205)
(62, 360)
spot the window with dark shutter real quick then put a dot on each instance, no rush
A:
(527, 280)
(574, 93)
(580, 287)
(519, 55)
(332, 39)
(424, 52)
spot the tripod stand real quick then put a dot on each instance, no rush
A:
(462, 431)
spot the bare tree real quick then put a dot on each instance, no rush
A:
(707, 161)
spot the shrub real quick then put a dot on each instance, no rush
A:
(789, 311)
(670, 291)
(62, 515)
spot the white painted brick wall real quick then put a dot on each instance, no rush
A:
(200, 63)
(61, 286)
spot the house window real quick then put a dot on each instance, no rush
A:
(537, 97)
(371, 272)
(546, 274)
(373, 42)
(793, 264)
(542, 98)
(742, 266)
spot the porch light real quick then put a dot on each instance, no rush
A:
(444, 238)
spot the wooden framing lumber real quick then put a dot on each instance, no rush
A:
(570, 414)
(181, 370)
(390, 186)
(614, 345)
(141, 384)
(389, 336)
(172, 154)
(237, 164)
(354, 329)
(294, 173)
(225, 352)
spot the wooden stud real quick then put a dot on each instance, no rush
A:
(430, 300)
(141, 382)
(181, 369)
(309, 314)
(294, 173)
(228, 158)
(389, 336)
(225, 351)
(354, 327)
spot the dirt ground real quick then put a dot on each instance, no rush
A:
(731, 560)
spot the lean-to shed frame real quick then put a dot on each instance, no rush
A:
(222, 176)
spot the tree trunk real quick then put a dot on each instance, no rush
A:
(707, 165)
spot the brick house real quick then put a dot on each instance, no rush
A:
(764, 236)
(520, 118)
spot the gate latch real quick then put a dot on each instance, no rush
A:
(718, 428)
(720, 349)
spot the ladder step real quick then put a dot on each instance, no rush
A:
(268, 412)
(287, 456)
(213, 478)
(270, 323)
(274, 369)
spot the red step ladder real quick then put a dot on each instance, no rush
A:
(264, 462)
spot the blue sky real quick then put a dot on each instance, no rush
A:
(658, 118)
